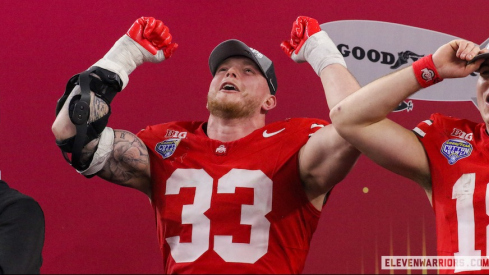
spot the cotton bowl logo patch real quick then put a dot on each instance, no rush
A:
(455, 149)
(166, 148)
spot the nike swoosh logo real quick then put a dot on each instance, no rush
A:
(267, 135)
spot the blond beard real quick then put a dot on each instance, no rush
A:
(229, 110)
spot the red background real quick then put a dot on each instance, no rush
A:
(96, 227)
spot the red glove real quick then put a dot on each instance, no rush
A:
(303, 28)
(309, 43)
(148, 40)
(152, 35)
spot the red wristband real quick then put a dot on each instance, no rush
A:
(425, 72)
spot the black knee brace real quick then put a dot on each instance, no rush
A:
(105, 85)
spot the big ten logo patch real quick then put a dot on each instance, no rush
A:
(175, 134)
(461, 134)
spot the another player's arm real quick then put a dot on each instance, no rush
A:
(384, 141)
(326, 158)
(361, 117)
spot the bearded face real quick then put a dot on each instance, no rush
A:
(232, 109)
(237, 90)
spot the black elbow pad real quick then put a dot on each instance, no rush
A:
(105, 85)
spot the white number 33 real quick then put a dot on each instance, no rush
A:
(193, 214)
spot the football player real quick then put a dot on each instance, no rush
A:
(230, 193)
(446, 156)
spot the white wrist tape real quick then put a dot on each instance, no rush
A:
(125, 56)
(319, 51)
(104, 150)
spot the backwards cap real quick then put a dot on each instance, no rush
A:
(235, 47)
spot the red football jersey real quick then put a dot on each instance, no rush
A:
(458, 152)
(231, 207)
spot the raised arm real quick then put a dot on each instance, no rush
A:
(361, 118)
(326, 158)
(83, 111)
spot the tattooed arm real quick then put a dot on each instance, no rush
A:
(119, 156)
(128, 163)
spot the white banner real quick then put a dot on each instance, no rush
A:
(373, 49)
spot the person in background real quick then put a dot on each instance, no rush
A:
(21, 232)
(447, 156)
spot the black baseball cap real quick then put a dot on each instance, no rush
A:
(234, 47)
(482, 55)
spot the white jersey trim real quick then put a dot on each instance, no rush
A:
(420, 132)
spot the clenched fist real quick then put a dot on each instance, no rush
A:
(309, 43)
(147, 40)
(152, 35)
(302, 28)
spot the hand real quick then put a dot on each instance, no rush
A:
(302, 28)
(153, 36)
(148, 40)
(451, 59)
(309, 43)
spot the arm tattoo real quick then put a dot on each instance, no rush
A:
(98, 108)
(129, 161)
